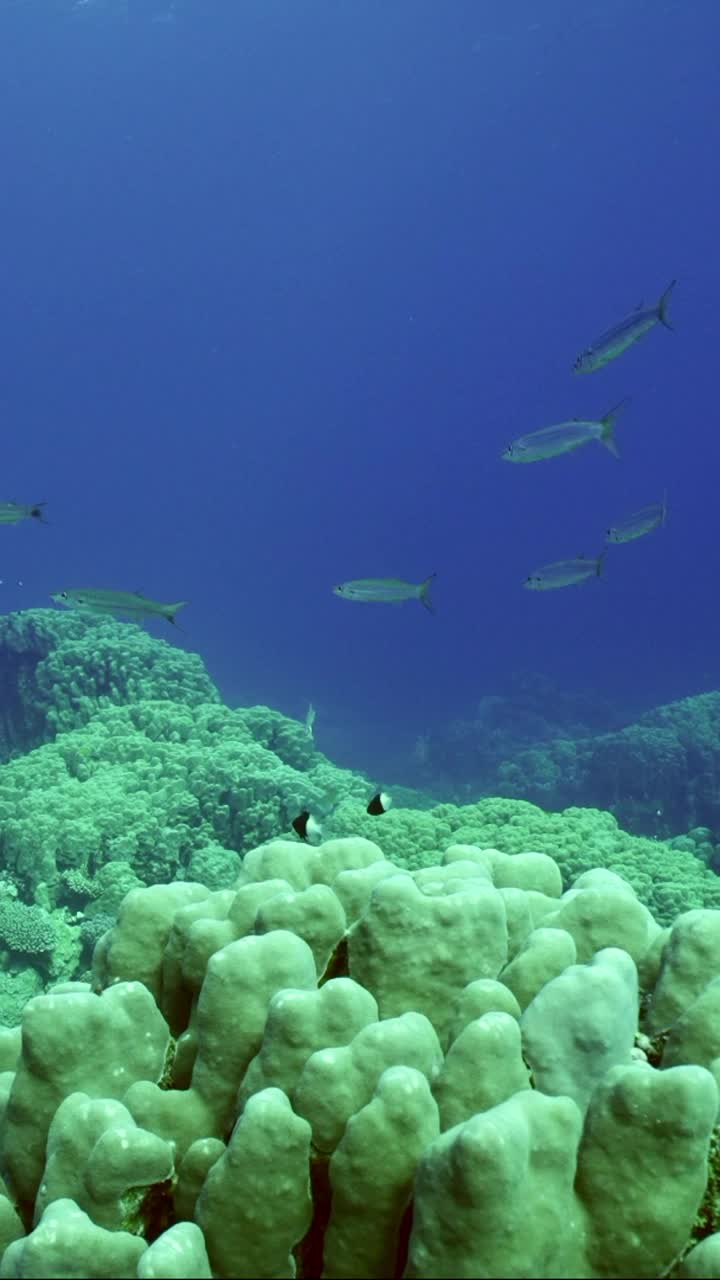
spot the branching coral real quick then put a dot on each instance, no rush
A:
(25, 930)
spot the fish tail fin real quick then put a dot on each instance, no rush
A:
(172, 609)
(424, 593)
(664, 508)
(662, 307)
(607, 434)
(599, 563)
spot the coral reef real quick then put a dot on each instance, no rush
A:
(660, 775)
(342, 1068)
(467, 1040)
(150, 787)
(668, 879)
(463, 755)
(57, 669)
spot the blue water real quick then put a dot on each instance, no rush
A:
(280, 280)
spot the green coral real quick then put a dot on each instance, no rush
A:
(658, 775)
(57, 669)
(79, 888)
(148, 786)
(667, 879)
(409, 837)
(25, 930)
(17, 986)
(287, 739)
(214, 866)
(93, 927)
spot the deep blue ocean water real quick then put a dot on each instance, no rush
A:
(279, 279)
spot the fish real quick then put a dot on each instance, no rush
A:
(124, 604)
(550, 442)
(14, 512)
(639, 523)
(307, 827)
(564, 573)
(380, 803)
(386, 591)
(310, 720)
(616, 340)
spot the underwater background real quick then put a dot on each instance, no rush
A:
(374, 936)
(280, 282)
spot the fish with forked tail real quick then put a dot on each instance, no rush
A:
(386, 591)
(565, 573)
(550, 442)
(121, 604)
(614, 341)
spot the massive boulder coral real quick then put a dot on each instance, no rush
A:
(455, 1070)
(666, 876)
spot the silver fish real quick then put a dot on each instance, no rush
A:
(310, 720)
(564, 573)
(386, 591)
(550, 442)
(639, 523)
(123, 604)
(616, 340)
(13, 512)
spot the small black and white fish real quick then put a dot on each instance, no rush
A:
(307, 827)
(639, 523)
(380, 803)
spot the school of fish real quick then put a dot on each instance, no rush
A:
(552, 442)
